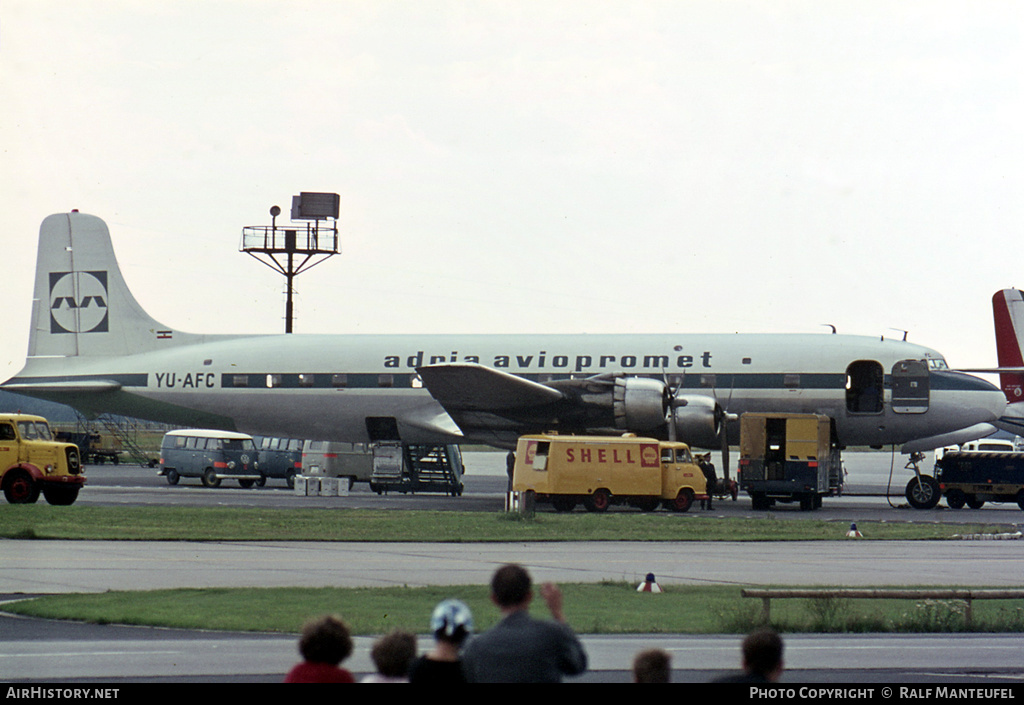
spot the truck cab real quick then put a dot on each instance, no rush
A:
(31, 462)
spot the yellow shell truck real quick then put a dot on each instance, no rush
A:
(603, 470)
(32, 462)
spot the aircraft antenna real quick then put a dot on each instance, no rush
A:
(298, 247)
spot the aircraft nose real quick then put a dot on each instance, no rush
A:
(985, 403)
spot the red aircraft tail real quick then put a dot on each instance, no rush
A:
(1008, 313)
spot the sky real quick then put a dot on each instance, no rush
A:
(526, 166)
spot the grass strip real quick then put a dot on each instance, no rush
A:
(42, 521)
(601, 608)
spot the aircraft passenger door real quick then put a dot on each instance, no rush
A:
(864, 387)
(910, 387)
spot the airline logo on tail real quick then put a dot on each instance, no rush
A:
(78, 302)
(1008, 312)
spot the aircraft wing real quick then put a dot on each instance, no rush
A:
(972, 433)
(491, 406)
(989, 370)
(468, 387)
(64, 386)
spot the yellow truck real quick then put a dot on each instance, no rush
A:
(789, 458)
(603, 470)
(32, 462)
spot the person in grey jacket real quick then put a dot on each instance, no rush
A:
(520, 648)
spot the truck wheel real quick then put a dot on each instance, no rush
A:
(759, 502)
(61, 495)
(173, 477)
(923, 494)
(210, 479)
(956, 499)
(974, 503)
(20, 488)
(1020, 499)
(683, 501)
(598, 502)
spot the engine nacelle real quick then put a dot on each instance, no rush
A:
(697, 420)
(639, 404)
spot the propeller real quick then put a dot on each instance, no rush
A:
(723, 426)
(722, 415)
(670, 404)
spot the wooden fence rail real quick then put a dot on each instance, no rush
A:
(966, 595)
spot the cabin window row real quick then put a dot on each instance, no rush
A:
(342, 381)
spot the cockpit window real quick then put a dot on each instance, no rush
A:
(936, 363)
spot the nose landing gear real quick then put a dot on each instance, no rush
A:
(923, 491)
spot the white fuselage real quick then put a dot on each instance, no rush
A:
(325, 387)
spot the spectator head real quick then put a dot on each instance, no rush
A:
(451, 621)
(393, 653)
(511, 586)
(652, 666)
(325, 640)
(762, 654)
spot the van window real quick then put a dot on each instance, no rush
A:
(7, 432)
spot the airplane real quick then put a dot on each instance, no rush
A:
(1008, 318)
(93, 347)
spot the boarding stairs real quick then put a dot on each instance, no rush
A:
(423, 468)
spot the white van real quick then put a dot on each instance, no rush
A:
(337, 459)
(210, 455)
(989, 445)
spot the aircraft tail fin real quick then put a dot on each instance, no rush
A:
(1008, 314)
(81, 305)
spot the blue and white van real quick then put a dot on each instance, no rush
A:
(280, 458)
(209, 455)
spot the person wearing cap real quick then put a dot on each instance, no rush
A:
(451, 623)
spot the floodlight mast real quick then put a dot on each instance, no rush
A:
(299, 247)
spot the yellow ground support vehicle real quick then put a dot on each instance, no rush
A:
(603, 470)
(32, 462)
(789, 458)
